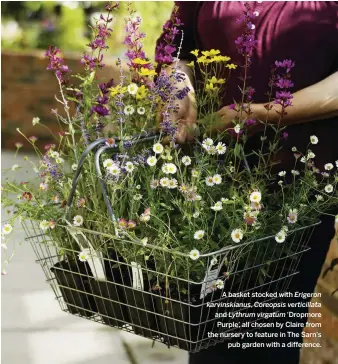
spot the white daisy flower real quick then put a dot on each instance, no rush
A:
(35, 120)
(132, 89)
(144, 217)
(78, 220)
(59, 160)
(217, 207)
(219, 284)
(198, 198)
(194, 254)
(186, 160)
(196, 214)
(129, 110)
(214, 261)
(141, 110)
(144, 241)
(313, 139)
(43, 186)
(294, 172)
(280, 237)
(15, 167)
(255, 196)
(303, 159)
(7, 229)
(129, 167)
(207, 143)
(237, 128)
(74, 167)
(282, 173)
(54, 154)
(83, 256)
(294, 149)
(169, 168)
(209, 181)
(292, 216)
(221, 148)
(310, 155)
(328, 166)
(158, 148)
(107, 163)
(212, 150)
(138, 197)
(44, 225)
(154, 184)
(319, 198)
(217, 178)
(237, 235)
(280, 183)
(151, 161)
(328, 188)
(172, 183)
(194, 173)
(199, 234)
(114, 169)
(164, 182)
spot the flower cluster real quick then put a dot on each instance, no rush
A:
(56, 63)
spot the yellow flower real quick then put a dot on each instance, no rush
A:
(210, 87)
(117, 90)
(141, 92)
(214, 80)
(221, 58)
(231, 66)
(212, 52)
(147, 72)
(195, 52)
(191, 64)
(140, 61)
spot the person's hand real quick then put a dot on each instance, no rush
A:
(186, 114)
(226, 118)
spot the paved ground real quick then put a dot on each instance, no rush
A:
(36, 331)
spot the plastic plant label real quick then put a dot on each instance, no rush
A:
(137, 276)
(95, 262)
(210, 276)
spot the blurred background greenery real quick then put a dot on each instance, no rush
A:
(28, 25)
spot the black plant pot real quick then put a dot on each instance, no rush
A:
(142, 311)
(198, 319)
(110, 299)
(75, 288)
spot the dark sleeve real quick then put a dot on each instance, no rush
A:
(187, 12)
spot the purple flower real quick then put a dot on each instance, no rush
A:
(287, 64)
(283, 98)
(164, 52)
(285, 135)
(56, 63)
(250, 122)
(101, 110)
(284, 83)
(104, 87)
(232, 107)
(181, 94)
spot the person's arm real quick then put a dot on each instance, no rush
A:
(316, 102)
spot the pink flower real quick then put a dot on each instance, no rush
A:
(33, 139)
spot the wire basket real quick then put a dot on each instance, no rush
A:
(160, 299)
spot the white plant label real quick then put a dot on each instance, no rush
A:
(95, 262)
(210, 276)
(137, 276)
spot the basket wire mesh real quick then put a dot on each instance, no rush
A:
(167, 306)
